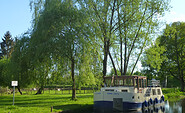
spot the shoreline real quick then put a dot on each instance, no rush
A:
(173, 94)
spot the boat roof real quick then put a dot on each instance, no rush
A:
(133, 81)
(126, 77)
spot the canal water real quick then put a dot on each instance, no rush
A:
(175, 107)
(168, 107)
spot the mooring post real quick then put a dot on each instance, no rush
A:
(13, 93)
(51, 108)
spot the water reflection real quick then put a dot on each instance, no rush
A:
(151, 109)
(167, 107)
(175, 107)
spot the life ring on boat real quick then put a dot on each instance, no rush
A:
(145, 104)
(155, 101)
(162, 109)
(150, 102)
(162, 99)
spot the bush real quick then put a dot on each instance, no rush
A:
(172, 93)
(170, 90)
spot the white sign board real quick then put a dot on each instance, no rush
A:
(14, 83)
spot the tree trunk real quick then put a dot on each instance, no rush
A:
(106, 50)
(40, 90)
(121, 48)
(125, 41)
(19, 90)
(182, 84)
(113, 64)
(73, 79)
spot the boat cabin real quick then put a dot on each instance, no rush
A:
(128, 81)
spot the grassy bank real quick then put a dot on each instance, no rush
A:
(173, 94)
(43, 103)
(61, 102)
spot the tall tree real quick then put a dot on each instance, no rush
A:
(5, 64)
(21, 60)
(7, 45)
(170, 59)
(128, 23)
(67, 36)
(173, 39)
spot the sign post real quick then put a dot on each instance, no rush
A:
(14, 83)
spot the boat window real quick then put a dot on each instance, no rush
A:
(109, 89)
(136, 83)
(154, 91)
(108, 82)
(140, 83)
(143, 83)
(120, 82)
(124, 90)
(128, 82)
(159, 91)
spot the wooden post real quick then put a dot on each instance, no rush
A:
(49, 89)
(6, 90)
(43, 90)
(137, 83)
(1, 91)
(13, 93)
(51, 108)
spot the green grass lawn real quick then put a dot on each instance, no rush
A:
(60, 101)
(42, 103)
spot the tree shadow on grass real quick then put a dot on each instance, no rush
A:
(75, 108)
(32, 102)
(84, 96)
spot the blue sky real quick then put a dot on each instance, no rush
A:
(15, 15)
(177, 12)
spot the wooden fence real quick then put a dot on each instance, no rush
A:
(48, 90)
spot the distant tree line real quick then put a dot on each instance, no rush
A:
(165, 58)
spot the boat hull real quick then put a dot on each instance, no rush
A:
(109, 105)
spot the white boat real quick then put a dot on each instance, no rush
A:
(125, 93)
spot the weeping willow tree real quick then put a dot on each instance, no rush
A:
(62, 32)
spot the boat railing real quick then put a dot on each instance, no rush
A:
(154, 83)
(128, 81)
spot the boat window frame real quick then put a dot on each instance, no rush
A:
(124, 90)
(154, 92)
(109, 89)
(159, 91)
(128, 81)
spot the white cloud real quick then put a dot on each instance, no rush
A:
(180, 17)
(173, 13)
(174, 17)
